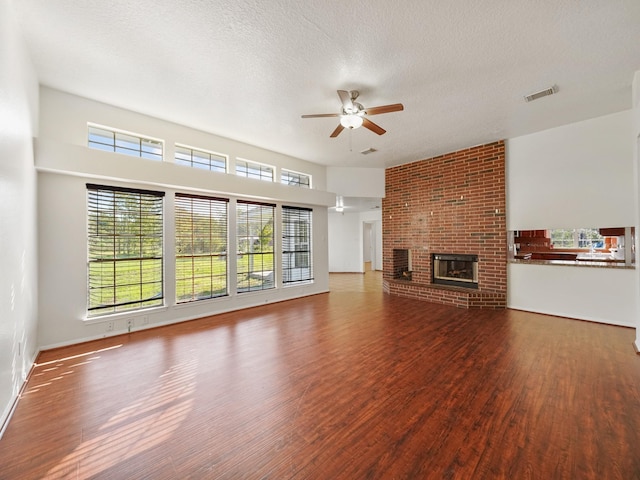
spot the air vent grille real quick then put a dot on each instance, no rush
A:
(542, 93)
(368, 151)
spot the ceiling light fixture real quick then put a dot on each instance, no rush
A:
(351, 121)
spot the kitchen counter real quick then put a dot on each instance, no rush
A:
(593, 263)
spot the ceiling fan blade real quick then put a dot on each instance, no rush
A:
(366, 123)
(337, 131)
(345, 98)
(396, 107)
(319, 115)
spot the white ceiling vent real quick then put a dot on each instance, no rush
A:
(368, 151)
(542, 93)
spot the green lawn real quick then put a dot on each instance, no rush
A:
(196, 278)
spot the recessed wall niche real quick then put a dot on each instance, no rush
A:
(401, 264)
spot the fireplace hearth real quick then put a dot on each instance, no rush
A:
(457, 270)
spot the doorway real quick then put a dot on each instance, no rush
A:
(372, 245)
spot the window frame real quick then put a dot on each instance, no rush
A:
(260, 167)
(578, 242)
(297, 245)
(250, 278)
(210, 166)
(218, 216)
(299, 175)
(105, 239)
(139, 152)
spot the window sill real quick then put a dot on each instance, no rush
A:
(117, 316)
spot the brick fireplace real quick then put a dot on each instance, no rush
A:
(453, 204)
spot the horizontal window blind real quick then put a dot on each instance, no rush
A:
(125, 249)
(297, 258)
(254, 233)
(201, 247)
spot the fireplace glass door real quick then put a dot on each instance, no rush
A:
(455, 270)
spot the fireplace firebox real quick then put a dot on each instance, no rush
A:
(455, 270)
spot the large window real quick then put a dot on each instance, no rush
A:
(111, 140)
(297, 263)
(576, 238)
(124, 248)
(255, 269)
(192, 157)
(246, 168)
(295, 179)
(201, 247)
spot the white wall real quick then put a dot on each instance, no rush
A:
(636, 157)
(374, 218)
(18, 253)
(346, 250)
(356, 182)
(346, 242)
(65, 165)
(575, 176)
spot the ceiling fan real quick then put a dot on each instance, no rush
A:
(352, 114)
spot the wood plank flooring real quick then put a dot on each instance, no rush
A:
(353, 384)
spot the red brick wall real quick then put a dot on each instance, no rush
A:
(454, 203)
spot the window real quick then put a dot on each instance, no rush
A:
(295, 179)
(201, 247)
(200, 159)
(124, 249)
(110, 140)
(297, 265)
(577, 238)
(255, 246)
(245, 168)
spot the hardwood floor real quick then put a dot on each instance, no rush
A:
(354, 384)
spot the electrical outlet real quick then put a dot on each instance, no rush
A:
(129, 324)
(110, 327)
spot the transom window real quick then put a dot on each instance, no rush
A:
(295, 179)
(111, 140)
(249, 169)
(124, 249)
(201, 247)
(255, 268)
(192, 157)
(297, 265)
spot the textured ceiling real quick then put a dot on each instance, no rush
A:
(247, 69)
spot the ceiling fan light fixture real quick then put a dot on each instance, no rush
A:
(351, 121)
